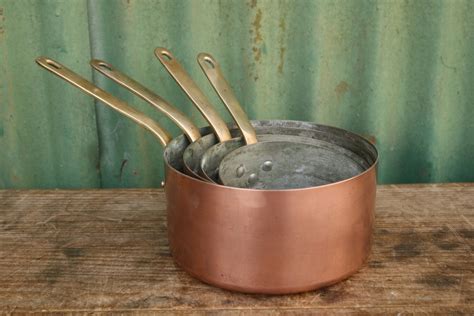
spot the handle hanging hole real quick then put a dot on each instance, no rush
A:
(105, 66)
(209, 62)
(166, 55)
(53, 64)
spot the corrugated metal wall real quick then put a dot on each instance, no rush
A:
(401, 71)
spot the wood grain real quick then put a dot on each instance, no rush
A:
(106, 250)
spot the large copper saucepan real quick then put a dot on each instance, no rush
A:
(264, 241)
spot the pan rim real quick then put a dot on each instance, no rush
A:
(354, 178)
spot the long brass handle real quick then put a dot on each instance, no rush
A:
(213, 72)
(113, 102)
(191, 131)
(193, 92)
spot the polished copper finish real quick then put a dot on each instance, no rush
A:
(273, 242)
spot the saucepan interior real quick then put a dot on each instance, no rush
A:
(355, 154)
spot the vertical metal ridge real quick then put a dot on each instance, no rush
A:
(232, 52)
(46, 131)
(92, 45)
(415, 109)
(453, 84)
(299, 62)
(388, 36)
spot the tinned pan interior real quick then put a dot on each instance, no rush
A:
(358, 145)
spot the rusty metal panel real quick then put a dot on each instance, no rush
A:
(399, 71)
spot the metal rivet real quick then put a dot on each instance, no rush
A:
(267, 165)
(252, 179)
(240, 171)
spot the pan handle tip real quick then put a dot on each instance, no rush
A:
(48, 63)
(101, 65)
(206, 60)
(163, 54)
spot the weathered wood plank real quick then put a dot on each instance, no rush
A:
(106, 250)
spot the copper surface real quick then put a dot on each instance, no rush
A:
(273, 242)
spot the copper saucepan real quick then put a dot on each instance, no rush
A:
(204, 159)
(185, 124)
(189, 129)
(282, 163)
(177, 117)
(263, 241)
(192, 156)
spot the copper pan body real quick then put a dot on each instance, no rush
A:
(270, 241)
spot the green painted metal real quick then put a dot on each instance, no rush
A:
(400, 71)
(48, 134)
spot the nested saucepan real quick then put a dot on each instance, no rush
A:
(298, 158)
(219, 126)
(189, 129)
(182, 121)
(220, 129)
(207, 165)
(264, 241)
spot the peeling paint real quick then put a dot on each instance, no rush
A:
(257, 24)
(341, 89)
(257, 39)
(282, 27)
(2, 22)
(282, 60)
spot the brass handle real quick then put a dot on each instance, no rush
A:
(105, 97)
(213, 72)
(193, 92)
(191, 131)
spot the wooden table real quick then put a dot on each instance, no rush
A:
(106, 250)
